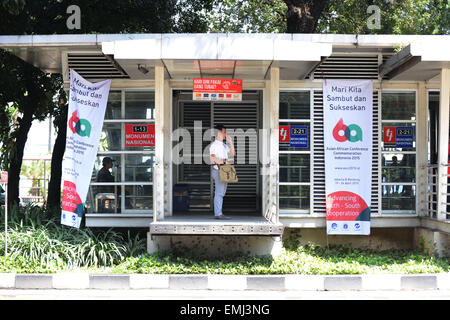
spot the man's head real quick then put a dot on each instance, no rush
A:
(107, 162)
(222, 131)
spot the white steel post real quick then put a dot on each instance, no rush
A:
(274, 107)
(6, 219)
(162, 144)
(444, 102)
(422, 149)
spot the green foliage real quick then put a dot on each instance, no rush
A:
(308, 259)
(397, 17)
(36, 236)
(249, 16)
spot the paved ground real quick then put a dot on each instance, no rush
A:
(224, 295)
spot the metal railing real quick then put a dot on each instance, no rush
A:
(34, 189)
(438, 191)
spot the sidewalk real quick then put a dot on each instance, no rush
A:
(440, 281)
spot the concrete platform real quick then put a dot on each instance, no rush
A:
(208, 225)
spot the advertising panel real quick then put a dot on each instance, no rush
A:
(217, 89)
(87, 106)
(348, 108)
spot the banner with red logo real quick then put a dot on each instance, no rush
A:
(347, 111)
(217, 89)
(87, 106)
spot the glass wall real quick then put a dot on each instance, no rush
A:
(398, 148)
(122, 179)
(294, 152)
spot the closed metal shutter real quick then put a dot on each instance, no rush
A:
(196, 175)
(242, 196)
(318, 201)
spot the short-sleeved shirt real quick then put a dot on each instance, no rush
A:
(220, 150)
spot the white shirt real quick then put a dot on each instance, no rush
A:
(220, 150)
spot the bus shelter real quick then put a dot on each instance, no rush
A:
(280, 186)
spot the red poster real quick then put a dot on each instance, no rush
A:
(4, 177)
(389, 135)
(139, 135)
(285, 134)
(217, 89)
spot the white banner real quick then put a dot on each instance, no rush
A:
(87, 106)
(347, 111)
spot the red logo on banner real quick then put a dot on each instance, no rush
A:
(140, 135)
(344, 206)
(285, 134)
(389, 135)
(71, 200)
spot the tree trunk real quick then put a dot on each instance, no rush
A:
(54, 186)
(302, 15)
(15, 163)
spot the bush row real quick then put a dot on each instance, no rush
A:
(38, 243)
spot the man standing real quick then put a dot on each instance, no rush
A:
(104, 175)
(219, 153)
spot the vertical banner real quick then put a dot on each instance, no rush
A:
(87, 106)
(347, 111)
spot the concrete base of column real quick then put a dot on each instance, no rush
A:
(214, 246)
(435, 242)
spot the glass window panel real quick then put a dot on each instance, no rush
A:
(398, 167)
(103, 199)
(393, 146)
(399, 106)
(294, 168)
(104, 173)
(294, 197)
(398, 197)
(139, 197)
(294, 105)
(110, 137)
(139, 167)
(114, 106)
(139, 105)
(286, 146)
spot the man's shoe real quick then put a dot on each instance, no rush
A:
(222, 217)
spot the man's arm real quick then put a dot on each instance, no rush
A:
(232, 152)
(215, 160)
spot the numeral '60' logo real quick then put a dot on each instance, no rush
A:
(79, 126)
(347, 130)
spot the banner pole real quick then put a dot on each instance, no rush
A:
(6, 219)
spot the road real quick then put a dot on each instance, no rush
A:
(155, 294)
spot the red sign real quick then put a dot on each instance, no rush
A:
(285, 134)
(217, 89)
(389, 135)
(4, 177)
(139, 135)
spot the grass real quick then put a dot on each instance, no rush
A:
(39, 244)
(308, 259)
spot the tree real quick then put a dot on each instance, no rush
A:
(396, 17)
(331, 16)
(29, 92)
(260, 16)
(302, 16)
(60, 124)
